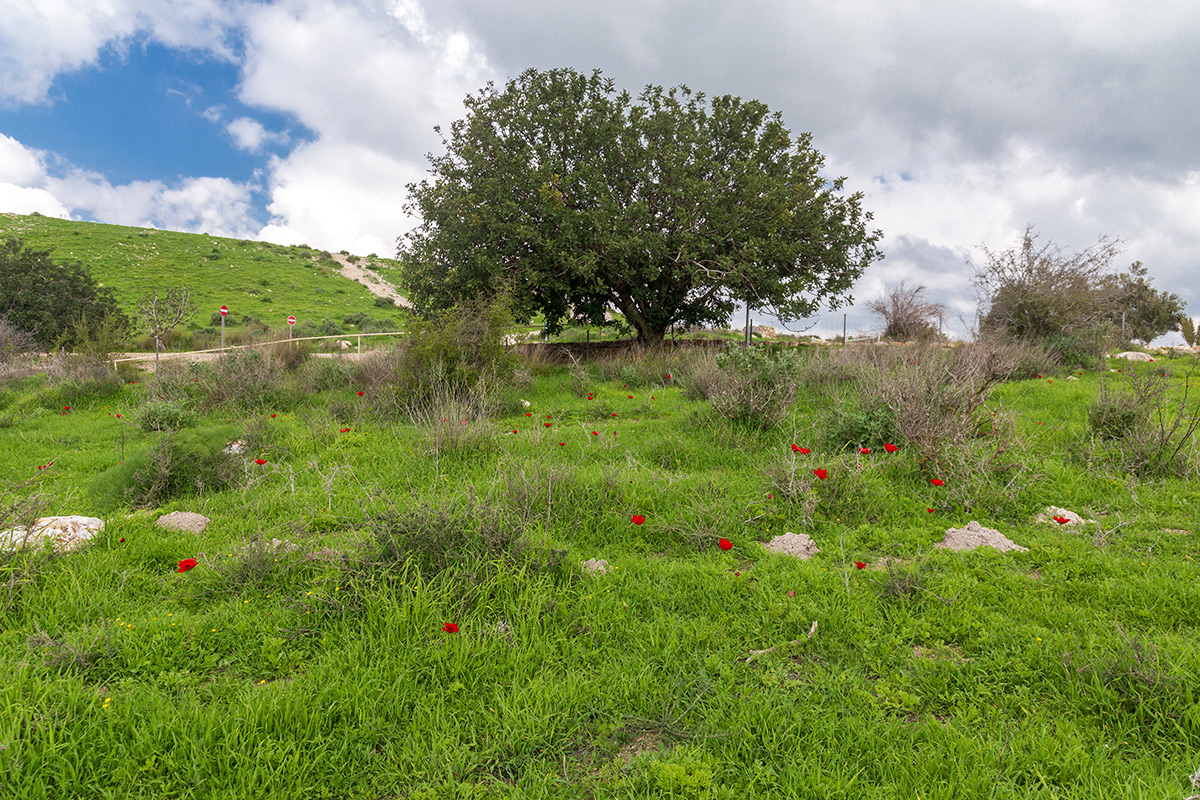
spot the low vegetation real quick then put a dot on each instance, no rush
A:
(389, 601)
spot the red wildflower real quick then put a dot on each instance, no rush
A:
(119, 416)
(891, 448)
(122, 540)
(547, 416)
(938, 482)
(820, 473)
(562, 444)
(859, 565)
(272, 416)
(1062, 520)
(637, 519)
(595, 433)
(668, 376)
(547, 424)
(529, 413)
(930, 510)
(66, 408)
(630, 396)
(864, 450)
(344, 430)
(725, 544)
(514, 430)
(360, 394)
(260, 461)
(614, 413)
(450, 627)
(803, 451)
(795, 448)
(186, 564)
(770, 497)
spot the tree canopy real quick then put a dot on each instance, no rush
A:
(49, 299)
(1039, 290)
(575, 199)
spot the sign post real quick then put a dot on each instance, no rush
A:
(224, 314)
(291, 322)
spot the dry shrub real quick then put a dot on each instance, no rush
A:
(77, 378)
(748, 385)
(1153, 432)
(14, 342)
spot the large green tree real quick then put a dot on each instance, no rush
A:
(52, 301)
(576, 200)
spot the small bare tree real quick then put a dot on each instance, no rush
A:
(907, 315)
(164, 311)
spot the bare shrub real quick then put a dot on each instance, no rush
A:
(1153, 429)
(78, 377)
(14, 341)
(907, 315)
(290, 356)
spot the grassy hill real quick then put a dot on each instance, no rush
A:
(258, 281)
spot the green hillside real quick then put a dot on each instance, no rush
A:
(258, 281)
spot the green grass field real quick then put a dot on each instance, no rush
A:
(320, 665)
(260, 282)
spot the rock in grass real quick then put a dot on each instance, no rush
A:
(63, 533)
(1073, 519)
(595, 566)
(798, 545)
(973, 536)
(183, 521)
(1133, 355)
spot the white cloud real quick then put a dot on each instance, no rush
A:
(339, 197)
(39, 40)
(250, 135)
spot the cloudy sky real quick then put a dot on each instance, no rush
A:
(301, 121)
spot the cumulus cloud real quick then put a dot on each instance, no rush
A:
(250, 135)
(339, 196)
(40, 40)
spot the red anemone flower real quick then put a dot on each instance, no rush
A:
(821, 473)
(562, 444)
(859, 565)
(360, 394)
(344, 430)
(547, 424)
(637, 519)
(450, 627)
(930, 510)
(891, 448)
(1062, 520)
(864, 450)
(938, 482)
(272, 416)
(595, 433)
(725, 544)
(186, 564)
(260, 461)
(514, 430)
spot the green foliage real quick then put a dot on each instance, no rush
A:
(1187, 328)
(868, 422)
(1114, 416)
(180, 463)
(1148, 312)
(452, 352)
(165, 415)
(557, 183)
(751, 386)
(49, 299)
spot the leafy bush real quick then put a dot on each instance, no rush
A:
(165, 415)
(179, 463)
(750, 386)
(1113, 416)
(461, 538)
(870, 422)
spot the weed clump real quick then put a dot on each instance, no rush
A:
(749, 385)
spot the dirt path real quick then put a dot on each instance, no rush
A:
(375, 284)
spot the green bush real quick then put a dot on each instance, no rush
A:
(869, 423)
(180, 463)
(165, 415)
(750, 386)
(1113, 416)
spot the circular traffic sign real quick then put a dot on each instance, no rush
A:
(291, 320)
(224, 311)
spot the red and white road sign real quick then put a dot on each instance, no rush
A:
(291, 320)
(224, 311)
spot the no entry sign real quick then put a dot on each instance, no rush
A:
(291, 320)
(224, 311)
